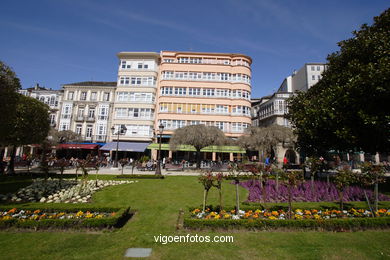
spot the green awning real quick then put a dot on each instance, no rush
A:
(190, 148)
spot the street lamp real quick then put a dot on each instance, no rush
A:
(121, 130)
(158, 167)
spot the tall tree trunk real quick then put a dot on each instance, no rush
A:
(341, 195)
(369, 204)
(237, 198)
(220, 198)
(11, 165)
(312, 184)
(205, 194)
(289, 202)
(197, 158)
(376, 195)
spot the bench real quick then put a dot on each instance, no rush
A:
(177, 167)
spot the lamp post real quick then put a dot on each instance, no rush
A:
(121, 130)
(158, 167)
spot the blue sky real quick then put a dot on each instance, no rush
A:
(65, 41)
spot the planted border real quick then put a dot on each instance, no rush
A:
(264, 224)
(122, 215)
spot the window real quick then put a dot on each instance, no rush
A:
(312, 68)
(319, 77)
(135, 112)
(83, 96)
(79, 129)
(221, 109)
(106, 96)
(52, 119)
(313, 77)
(224, 76)
(80, 113)
(91, 113)
(318, 68)
(52, 100)
(194, 91)
(139, 65)
(121, 112)
(103, 115)
(209, 92)
(93, 96)
(89, 131)
(167, 91)
(180, 91)
(146, 66)
(169, 60)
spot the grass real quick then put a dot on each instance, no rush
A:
(157, 203)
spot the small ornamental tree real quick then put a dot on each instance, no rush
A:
(235, 171)
(62, 164)
(123, 163)
(315, 166)
(372, 175)
(218, 184)
(343, 179)
(207, 180)
(291, 179)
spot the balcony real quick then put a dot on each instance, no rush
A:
(79, 119)
(90, 119)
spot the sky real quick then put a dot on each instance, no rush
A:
(56, 42)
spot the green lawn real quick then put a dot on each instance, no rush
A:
(157, 203)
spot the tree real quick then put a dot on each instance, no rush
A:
(263, 139)
(31, 125)
(291, 179)
(343, 179)
(199, 136)
(348, 108)
(372, 175)
(207, 180)
(9, 84)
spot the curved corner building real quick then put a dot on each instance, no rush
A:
(204, 88)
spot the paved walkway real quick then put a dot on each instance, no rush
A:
(128, 171)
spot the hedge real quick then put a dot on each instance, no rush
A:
(117, 221)
(267, 224)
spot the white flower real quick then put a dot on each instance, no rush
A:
(235, 217)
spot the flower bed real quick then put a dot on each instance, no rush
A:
(54, 191)
(353, 219)
(62, 218)
(322, 192)
(282, 214)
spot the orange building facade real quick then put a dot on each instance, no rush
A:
(203, 88)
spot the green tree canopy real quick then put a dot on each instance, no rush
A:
(199, 136)
(9, 84)
(32, 122)
(348, 108)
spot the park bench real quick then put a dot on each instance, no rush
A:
(177, 167)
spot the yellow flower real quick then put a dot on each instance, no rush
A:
(99, 216)
(7, 217)
(298, 216)
(226, 216)
(217, 217)
(79, 214)
(272, 217)
(316, 216)
(258, 211)
(89, 215)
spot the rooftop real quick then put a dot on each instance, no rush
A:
(93, 84)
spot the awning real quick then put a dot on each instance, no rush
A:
(125, 146)
(190, 148)
(78, 146)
